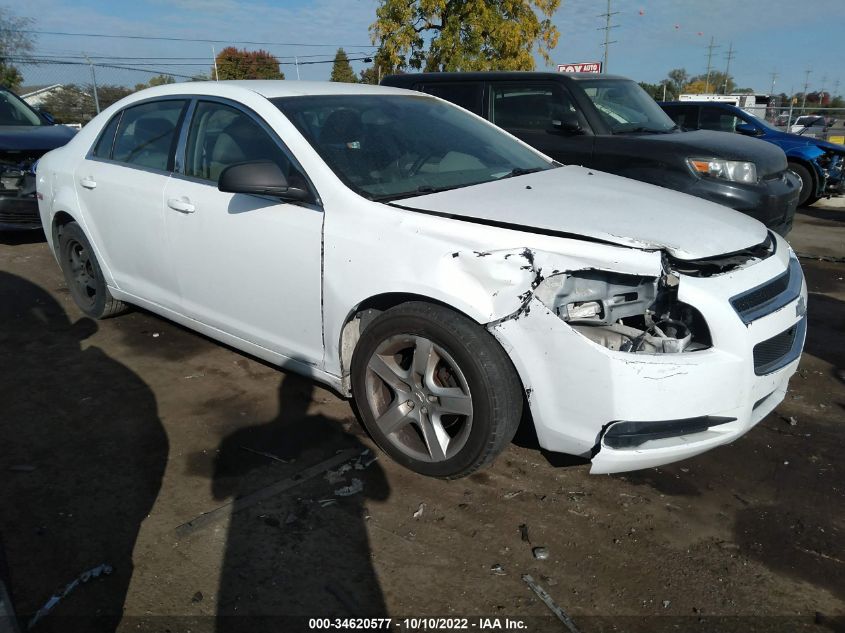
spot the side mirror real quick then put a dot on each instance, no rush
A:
(569, 126)
(747, 129)
(264, 178)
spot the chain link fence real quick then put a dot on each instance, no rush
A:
(74, 91)
(810, 120)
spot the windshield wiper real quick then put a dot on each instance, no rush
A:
(520, 171)
(422, 190)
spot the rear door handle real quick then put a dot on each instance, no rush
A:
(183, 205)
(88, 183)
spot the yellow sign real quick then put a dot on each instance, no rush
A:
(837, 139)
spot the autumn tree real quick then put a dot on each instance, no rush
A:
(243, 64)
(14, 42)
(451, 35)
(158, 80)
(341, 69)
(373, 74)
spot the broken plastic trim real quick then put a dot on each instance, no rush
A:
(710, 266)
(627, 313)
(624, 434)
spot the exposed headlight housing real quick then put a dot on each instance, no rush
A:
(625, 313)
(732, 170)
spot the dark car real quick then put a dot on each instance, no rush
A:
(819, 163)
(611, 124)
(25, 136)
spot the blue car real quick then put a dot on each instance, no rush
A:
(819, 164)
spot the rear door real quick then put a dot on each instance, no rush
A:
(543, 114)
(120, 187)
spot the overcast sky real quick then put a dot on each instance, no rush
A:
(653, 36)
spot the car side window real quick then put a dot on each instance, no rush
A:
(467, 95)
(104, 144)
(147, 134)
(221, 135)
(718, 120)
(540, 107)
(684, 116)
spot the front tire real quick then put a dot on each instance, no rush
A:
(83, 274)
(808, 185)
(435, 390)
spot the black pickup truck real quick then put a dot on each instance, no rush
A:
(610, 123)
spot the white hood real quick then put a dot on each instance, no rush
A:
(601, 206)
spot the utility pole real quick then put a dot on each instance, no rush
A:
(296, 63)
(806, 85)
(93, 83)
(774, 77)
(729, 56)
(214, 59)
(710, 48)
(606, 28)
(821, 92)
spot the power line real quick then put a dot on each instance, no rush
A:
(710, 48)
(187, 39)
(729, 56)
(606, 28)
(806, 85)
(774, 76)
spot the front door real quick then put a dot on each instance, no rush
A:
(247, 265)
(543, 115)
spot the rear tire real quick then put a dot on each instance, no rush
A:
(83, 274)
(435, 390)
(808, 185)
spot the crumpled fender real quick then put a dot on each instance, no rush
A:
(501, 283)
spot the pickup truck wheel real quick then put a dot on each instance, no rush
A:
(83, 274)
(435, 390)
(808, 185)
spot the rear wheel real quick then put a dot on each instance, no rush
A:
(808, 185)
(435, 390)
(83, 275)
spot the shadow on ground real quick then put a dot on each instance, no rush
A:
(82, 461)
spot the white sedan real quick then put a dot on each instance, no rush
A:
(444, 274)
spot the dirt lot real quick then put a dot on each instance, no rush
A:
(115, 434)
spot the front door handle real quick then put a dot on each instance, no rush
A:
(88, 183)
(183, 205)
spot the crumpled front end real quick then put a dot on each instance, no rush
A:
(638, 370)
(18, 203)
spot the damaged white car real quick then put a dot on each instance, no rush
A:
(441, 272)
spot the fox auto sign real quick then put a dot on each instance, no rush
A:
(584, 67)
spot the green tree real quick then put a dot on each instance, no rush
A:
(373, 74)
(675, 80)
(450, 35)
(13, 43)
(243, 64)
(158, 80)
(70, 104)
(655, 91)
(341, 70)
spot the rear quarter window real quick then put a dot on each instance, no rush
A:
(467, 95)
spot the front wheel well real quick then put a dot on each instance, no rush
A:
(361, 315)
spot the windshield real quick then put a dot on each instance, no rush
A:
(13, 111)
(625, 107)
(392, 146)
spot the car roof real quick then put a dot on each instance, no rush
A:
(269, 89)
(499, 75)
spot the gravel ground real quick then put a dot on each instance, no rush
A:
(117, 434)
